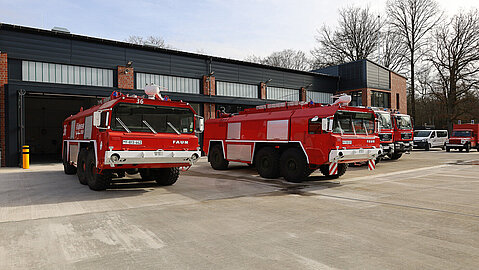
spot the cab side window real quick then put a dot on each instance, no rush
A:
(314, 127)
(433, 134)
(104, 119)
(441, 134)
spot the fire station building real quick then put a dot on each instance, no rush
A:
(46, 76)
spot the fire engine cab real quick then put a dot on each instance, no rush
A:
(129, 134)
(464, 136)
(293, 139)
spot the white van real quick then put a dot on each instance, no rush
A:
(426, 139)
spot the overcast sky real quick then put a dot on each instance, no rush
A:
(231, 29)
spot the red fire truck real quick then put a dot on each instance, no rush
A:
(402, 136)
(131, 134)
(386, 132)
(293, 139)
(464, 136)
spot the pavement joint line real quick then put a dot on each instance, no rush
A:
(396, 173)
(400, 205)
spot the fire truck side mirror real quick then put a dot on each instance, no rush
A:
(200, 124)
(324, 124)
(96, 119)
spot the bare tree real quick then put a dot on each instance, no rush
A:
(150, 40)
(286, 59)
(392, 50)
(413, 20)
(355, 38)
(455, 56)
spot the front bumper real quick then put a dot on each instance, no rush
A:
(401, 147)
(388, 148)
(152, 157)
(421, 145)
(450, 145)
(353, 155)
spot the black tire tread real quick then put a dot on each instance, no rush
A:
(273, 155)
(303, 170)
(217, 161)
(166, 176)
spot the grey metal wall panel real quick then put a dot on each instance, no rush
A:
(87, 53)
(377, 77)
(250, 75)
(276, 76)
(319, 97)
(225, 71)
(35, 47)
(352, 75)
(333, 70)
(187, 66)
(149, 62)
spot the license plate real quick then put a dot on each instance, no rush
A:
(361, 151)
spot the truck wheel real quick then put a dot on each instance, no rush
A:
(468, 148)
(217, 161)
(448, 149)
(395, 156)
(166, 176)
(267, 162)
(427, 147)
(67, 167)
(81, 166)
(96, 181)
(146, 174)
(294, 166)
(342, 168)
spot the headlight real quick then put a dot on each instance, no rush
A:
(115, 158)
(424, 140)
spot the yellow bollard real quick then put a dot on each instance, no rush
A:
(26, 157)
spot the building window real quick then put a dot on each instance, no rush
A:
(66, 74)
(318, 97)
(236, 89)
(380, 99)
(278, 93)
(356, 98)
(397, 101)
(168, 83)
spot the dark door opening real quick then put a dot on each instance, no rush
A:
(44, 117)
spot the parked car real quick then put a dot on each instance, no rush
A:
(426, 139)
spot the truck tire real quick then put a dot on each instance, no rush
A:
(96, 181)
(467, 147)
(146, 174)
(448, 149)
(266, 162)
(67, 167)
(342, 168)
(294, 166)
(217, 160)
(166, 176)
(395, 156)
(82, 167)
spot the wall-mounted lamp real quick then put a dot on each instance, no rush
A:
(211, 74)
(268, 81)
(308, 86)
(129, 64)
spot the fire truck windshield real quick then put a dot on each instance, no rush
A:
(348, 122)
(152, 119)
(385, 120)
(461, 133)
(403, 122)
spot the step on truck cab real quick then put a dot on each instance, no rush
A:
(402, 136)
(293, 139)
(153, 136)
(463, 137)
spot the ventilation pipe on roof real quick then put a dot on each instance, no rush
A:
(60, 30)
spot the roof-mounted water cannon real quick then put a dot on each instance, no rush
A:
(152, 91)
(342, 99)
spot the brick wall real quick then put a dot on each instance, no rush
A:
(3, 81)
(126, 78)
(398, 88)
(209, 88)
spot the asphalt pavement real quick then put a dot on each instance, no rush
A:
(418, 212)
